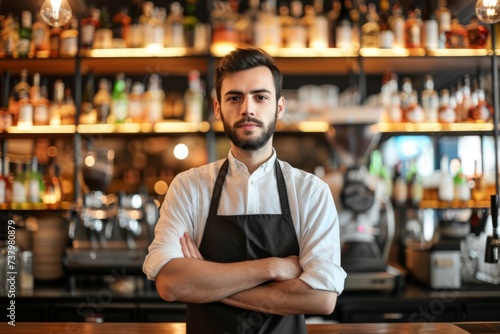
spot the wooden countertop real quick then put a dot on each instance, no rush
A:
(179, 328)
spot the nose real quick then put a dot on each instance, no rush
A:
(248, 106)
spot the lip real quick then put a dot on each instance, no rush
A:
(248, 125)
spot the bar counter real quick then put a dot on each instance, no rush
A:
(179, 328)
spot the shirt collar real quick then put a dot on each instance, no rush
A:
(266, 167)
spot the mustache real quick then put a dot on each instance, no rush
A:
(248, 120)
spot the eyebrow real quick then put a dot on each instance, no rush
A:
(255, 91)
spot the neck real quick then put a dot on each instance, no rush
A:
(253, 159)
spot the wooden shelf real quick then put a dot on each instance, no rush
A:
(433, 129)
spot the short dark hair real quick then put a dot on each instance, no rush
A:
(245, 59)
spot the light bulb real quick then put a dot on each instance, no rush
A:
(56, 13)
(488, 11)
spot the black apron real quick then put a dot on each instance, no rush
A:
(240, 238)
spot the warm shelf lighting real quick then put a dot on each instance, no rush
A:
(136, 52)
(41, 129)
(56, 13)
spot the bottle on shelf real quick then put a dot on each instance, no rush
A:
(318, 30)
(10, 36)
(40, 38)
(68, 108)
(464, 102)
(386, 35)
(174, 27)
(430, 28)
(55, 41)
(41, 105)
(224, 17)
(412, 110)
(415, 186)
(413, 28)
(19, 187)
(477, 34)
(443, 16)
(25, 111)
(296, 33)
(57, 103)
(102, 101)
(52, 194)
(193, 30)
(194, 98)
(88, 27)
(25, 35)
(397, 23)
(135, 36)
(69, 40)
(103, 35)
(399, 186)
(119, 100)
(121, 26)
(370, 30)
(482, 111)
(332, 15)
(156, 29)
(154, 100)
(247, 24)
(88, 114)
(430, 100)
(269, 28)
(344, 28)
(478, 192)
(446, 188)
(462, 190)
(4, 184)
(34, 181)
(136, 105)
(446, 111)
(456, 37)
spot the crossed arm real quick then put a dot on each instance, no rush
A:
(193, 280)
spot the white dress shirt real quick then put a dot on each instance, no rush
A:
(313, 211)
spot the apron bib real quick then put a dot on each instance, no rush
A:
(239, 238)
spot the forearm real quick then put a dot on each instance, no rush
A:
(197, 281)
(285, 298)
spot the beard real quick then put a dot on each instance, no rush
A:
(249, 144)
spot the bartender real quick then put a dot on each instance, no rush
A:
(249, 243)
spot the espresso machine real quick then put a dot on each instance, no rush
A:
(109, 233)
(366, 216)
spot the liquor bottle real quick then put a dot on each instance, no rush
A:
(443, 16)
(154, 29)
(446, 190)
(10, 36)
(247, 24)
(88, 27)
(40, 38)
(103, 36)
(57, 102)
(332, 16)
(22, 87)
(52, 193)
(136, 108)
(318, 30)
(69, 40)
(135, 37)
(191, 23)
(386, 35)
(34, 92)
(412, 111)
(430, 100)
(41, 106)
(446, 111)
(269, 28)
(119, 100)
(397, 23)
(413, 28)
(456, 37)
(174, 27)
(297, 32)
(343, 30)
(24, 43)
(430, 31)
(120, 26)
(478, 191)
(370, 30)
(477, 34)
(193, 98)
(5, 184)
(19, 187)
(102, 101)
(223, 19)
(415, 186)
(55, 41)
(154, 100)
(465, 104)
(25, 111)
(34, 180)
(68, 108)
(482, 111)
(88, 114)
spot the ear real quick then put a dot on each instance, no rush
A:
(281, 107)
(217, 110)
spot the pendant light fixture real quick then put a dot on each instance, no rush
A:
(488, 11)
(56, 13)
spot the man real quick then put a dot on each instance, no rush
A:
(250, 243)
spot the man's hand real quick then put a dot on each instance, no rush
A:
(189, 248)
